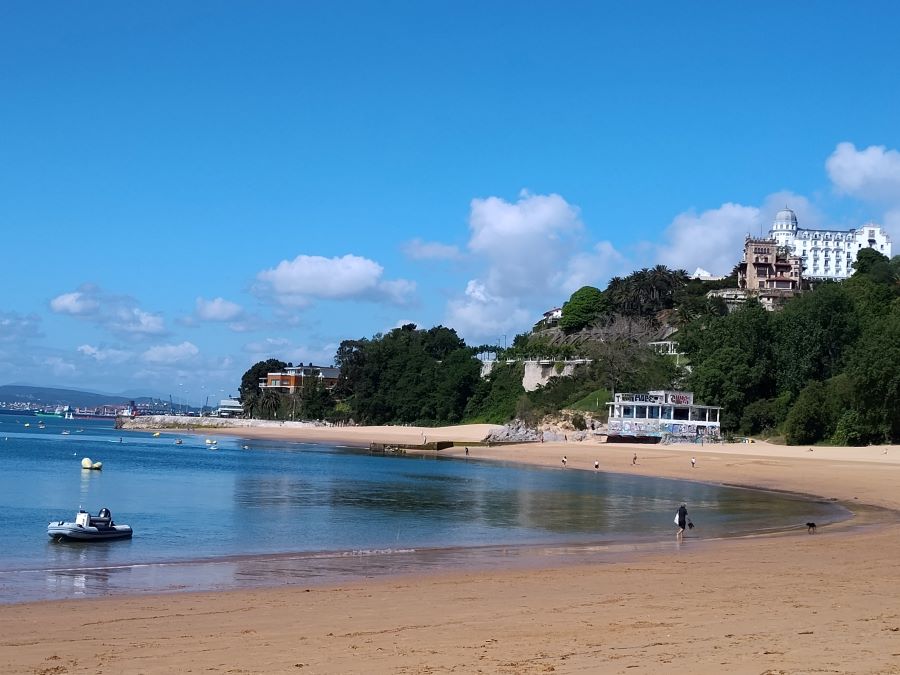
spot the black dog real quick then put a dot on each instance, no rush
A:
(811, 528)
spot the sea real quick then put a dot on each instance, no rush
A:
(248, 513)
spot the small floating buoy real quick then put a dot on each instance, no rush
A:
(155, 434)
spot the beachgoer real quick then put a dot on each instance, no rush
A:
(693, 462)
(681, 518)
(564, 460)
(634, 459)
(467, 452)
(597, 464)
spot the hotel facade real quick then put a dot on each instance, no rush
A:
(827, 254)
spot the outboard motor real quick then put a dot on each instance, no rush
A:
(104, 513)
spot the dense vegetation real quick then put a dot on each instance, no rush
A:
(826, 368)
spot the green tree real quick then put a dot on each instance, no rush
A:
(269, 403)
(874, 370)
(732, 361)
(811, 335)
(810, 417)
(258, 371)
(583, 307)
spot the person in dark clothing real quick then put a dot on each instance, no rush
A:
(681, 519)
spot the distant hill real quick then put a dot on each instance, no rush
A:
(49, 396)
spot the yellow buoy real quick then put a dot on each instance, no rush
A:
(86, 463)
(155, 434)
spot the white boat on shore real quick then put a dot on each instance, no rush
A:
(88, 528)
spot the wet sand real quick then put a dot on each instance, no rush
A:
(790, 603)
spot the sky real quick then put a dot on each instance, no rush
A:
(189, 188)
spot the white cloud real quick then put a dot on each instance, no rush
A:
(532, 251)
(594, 268)
(430, 250)
(118, 313)
(15, 327)
(102, 354)
(285, 350)
(59, 366)
(872, 174)
(299, 282)
(136, 320)
(267, 345)
(218, 309)
(480, 316)
(77, 304)
(524, 242)
(169, 354)
(712, 239)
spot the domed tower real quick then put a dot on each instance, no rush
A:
(784, 229)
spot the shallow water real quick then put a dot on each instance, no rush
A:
(222, 516)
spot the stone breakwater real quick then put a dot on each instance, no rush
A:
(153, 422)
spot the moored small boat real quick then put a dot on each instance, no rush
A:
(89, 528)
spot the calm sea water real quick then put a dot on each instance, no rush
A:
(221, 517)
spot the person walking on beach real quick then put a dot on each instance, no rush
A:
(681, 518)
(634, 460)
(467, 451)
(693, 462)
(564, 460)
(597, 465)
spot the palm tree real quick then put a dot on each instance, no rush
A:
(269, 403)
(250, 403)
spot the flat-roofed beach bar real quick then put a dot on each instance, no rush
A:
(668, 416)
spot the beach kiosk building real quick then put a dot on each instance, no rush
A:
(661, 416)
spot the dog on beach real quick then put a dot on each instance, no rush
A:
(811, 528)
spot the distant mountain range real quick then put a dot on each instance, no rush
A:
(50, 396)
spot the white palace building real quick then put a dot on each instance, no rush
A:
(827, 254)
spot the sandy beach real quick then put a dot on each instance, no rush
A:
(792, 603)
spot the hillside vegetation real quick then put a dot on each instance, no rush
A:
(824, 369)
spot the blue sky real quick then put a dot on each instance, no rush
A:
(187, 188)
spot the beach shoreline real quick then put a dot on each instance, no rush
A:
(793, 602)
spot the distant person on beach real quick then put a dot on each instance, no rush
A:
(693, 462)
(597, 464)
(564, 460)
(467, 452)
(681, 518)
(634, 459)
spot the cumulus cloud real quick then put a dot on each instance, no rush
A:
(168, 354)
(286, 350)
(118, 313)
(218, 309)
(301, 281)
(523, 241)
(871, 174)
(594, 267)
(15, 327)
(103, 354)
(480, 315)
(59, 366)
(530, 251)
(712, 239)
(417, 249)
(77, 303)
(268, 345)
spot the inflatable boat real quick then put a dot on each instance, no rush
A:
(88, 528)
